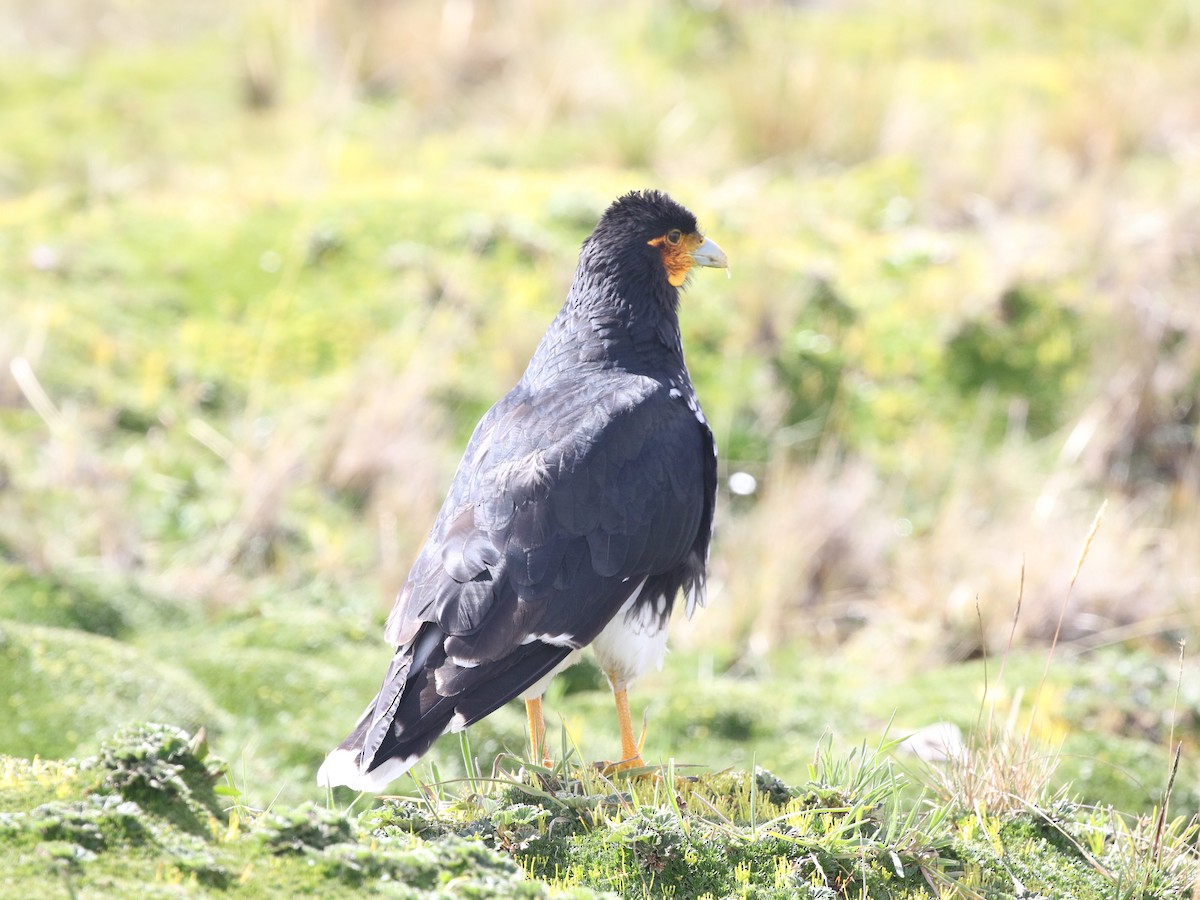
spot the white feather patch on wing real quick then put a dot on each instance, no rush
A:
(554, 640)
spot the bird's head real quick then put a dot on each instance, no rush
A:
(650, 228)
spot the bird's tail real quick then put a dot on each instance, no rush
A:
(374, 754)
(351, 765)
(418, 703)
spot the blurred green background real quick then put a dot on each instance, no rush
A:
(263, 265)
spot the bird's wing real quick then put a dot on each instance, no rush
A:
(561, 506)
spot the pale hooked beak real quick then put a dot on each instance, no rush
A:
(709, 254)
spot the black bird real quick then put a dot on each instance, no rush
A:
(582, 507)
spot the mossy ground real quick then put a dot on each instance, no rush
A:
(144, 816)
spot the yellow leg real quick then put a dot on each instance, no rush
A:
(538, 751)
(631, 751)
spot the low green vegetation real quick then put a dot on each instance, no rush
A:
(146, 815)
(263, 265)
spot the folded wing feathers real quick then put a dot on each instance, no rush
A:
(554, 546)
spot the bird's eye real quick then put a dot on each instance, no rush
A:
(674, 236)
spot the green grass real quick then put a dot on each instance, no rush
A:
(262, 267)
(143, 814)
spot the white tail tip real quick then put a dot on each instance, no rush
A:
(342, 767)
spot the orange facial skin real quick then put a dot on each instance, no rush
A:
(677, 249)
